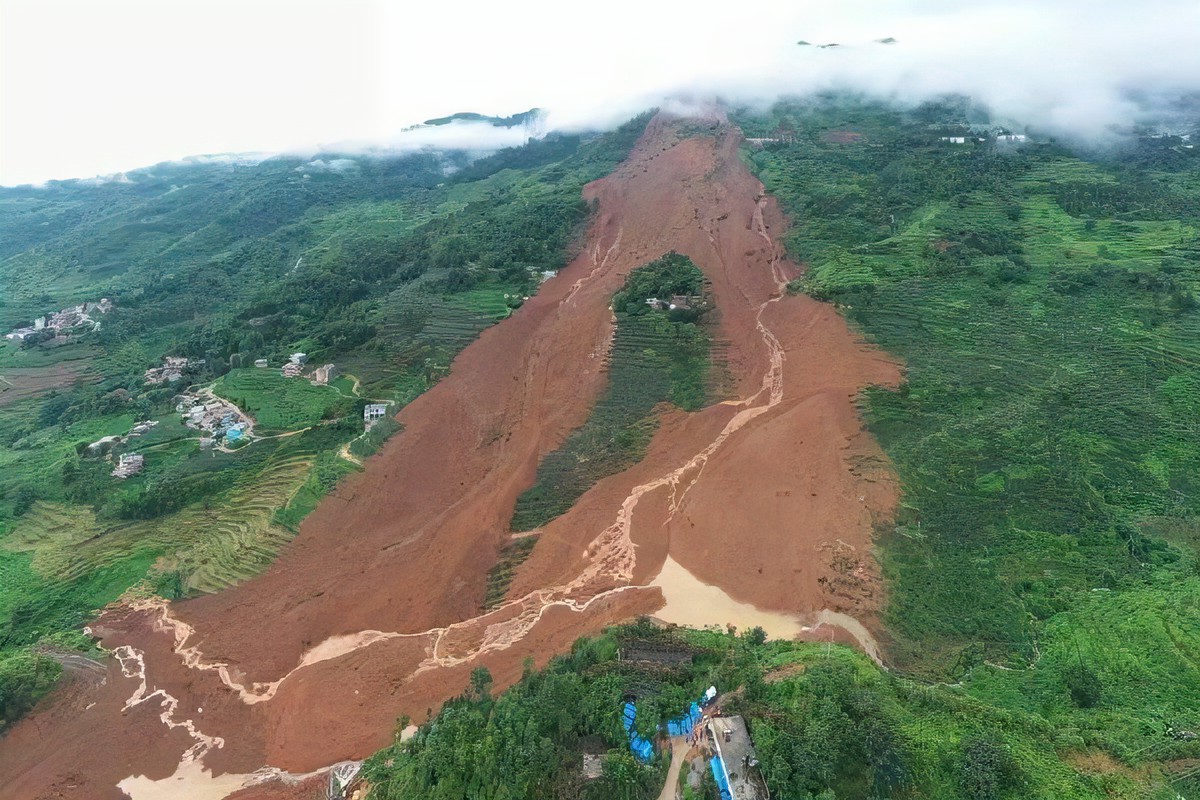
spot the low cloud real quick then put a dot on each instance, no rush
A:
(1083, 69)
(73, 105)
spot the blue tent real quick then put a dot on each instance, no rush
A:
(680, 726)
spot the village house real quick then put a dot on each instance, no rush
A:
(65, 319)
(322, 375)
(215, 417)
(735, 765)
(685, 301)
(291, 370)
(173, 369)
(260, 363)
(373, 412)
(105, 444)
(128, 465)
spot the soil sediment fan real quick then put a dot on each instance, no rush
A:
(373, 611)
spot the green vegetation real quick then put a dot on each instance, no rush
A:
(825, 723)
(657, 356)
(24, 677)
(277, 403)
(1045, 553)
(385, 266)
(500, 576)
(370, 442)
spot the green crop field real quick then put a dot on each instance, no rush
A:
(277, 403)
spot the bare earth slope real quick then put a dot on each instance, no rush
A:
(374, 610)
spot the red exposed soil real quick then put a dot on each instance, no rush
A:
(842, 137)
(771, 497)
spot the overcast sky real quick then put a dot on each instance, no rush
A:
(101, 86)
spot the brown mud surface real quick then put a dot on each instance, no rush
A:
(373, 611)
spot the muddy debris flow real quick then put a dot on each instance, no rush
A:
(758, 510)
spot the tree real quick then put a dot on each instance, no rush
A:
(885, 757)
(1083, 684)
(24, 678)
(481, 684)
(23, 500)
(987, 769)
(756, 636)
(621, 777)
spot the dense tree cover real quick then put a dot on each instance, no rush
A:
(673, 274)
(526, 743)
(825, 722)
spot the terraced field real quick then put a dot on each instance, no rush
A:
(419, 331)
(1045, 307)
(60, 562)
(277, 403)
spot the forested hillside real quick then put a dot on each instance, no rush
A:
(385, 267)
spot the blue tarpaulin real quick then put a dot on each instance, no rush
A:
(718, 771)
(682, 726)
(640, 747)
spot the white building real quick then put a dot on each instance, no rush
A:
(373, 412)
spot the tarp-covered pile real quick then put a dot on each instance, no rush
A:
(640, 747)
(683, 725)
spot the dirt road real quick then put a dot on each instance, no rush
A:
(373, 611)
(679, 749)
